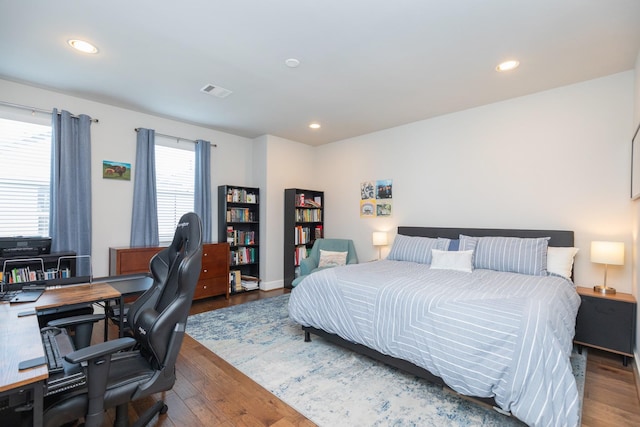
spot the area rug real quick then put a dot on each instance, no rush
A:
(330, 385)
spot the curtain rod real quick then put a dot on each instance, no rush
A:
(176, 137)
(36, 110)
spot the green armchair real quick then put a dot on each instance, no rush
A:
(310, 264)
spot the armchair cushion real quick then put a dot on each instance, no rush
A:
(332, 258)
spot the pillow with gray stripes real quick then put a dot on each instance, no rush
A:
(415, 249)
(510, 254)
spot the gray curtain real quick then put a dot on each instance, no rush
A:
(202, 196)
(70, 203)
(144, 222)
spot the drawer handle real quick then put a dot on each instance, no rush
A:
(205, 270)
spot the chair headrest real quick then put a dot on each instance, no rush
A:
(189, 232)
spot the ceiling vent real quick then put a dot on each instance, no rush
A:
(214, 90)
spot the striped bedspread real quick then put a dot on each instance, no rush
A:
(486, 334)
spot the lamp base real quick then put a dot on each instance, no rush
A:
(605, 290)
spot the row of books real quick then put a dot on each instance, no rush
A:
(308, 215)
(243, 256)
(240, 195)
(240, 215)
(302, 201)
(301, 253)
(304, 235)
(240, 237)
(239, 282)
(25, 274)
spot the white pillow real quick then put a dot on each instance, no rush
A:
(332, 259)
(452, 260)
(560, 260)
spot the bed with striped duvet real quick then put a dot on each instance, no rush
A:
(492, 334)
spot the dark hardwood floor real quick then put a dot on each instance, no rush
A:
(210, 392)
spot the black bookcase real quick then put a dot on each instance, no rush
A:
(239, 225)
(303, 224)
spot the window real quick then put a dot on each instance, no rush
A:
(25, 165)
(175, 178)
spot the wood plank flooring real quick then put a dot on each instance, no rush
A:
(210, 392)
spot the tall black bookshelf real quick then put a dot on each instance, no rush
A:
(303, 224)
(239, 225)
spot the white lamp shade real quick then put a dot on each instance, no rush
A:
(379, 238)
(611, 253)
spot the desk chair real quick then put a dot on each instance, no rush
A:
(117, 374)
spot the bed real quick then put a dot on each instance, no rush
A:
(488, 312)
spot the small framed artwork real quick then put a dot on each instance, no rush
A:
(375, 198)
(116, 170)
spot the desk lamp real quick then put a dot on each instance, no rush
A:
(379, 239)
(607, 253)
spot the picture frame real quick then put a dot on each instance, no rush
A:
(635, 164)
(116, 170)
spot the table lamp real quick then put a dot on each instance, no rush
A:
(379, 239)
(607, 253)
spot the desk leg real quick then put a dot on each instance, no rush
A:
(38, 403)
(121, 317)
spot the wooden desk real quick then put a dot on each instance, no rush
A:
(20, 338)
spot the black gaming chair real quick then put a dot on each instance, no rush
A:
(116, 372)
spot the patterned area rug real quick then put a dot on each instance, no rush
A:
(328, 384)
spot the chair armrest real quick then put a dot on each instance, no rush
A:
(75, 320)
(307, 265)
(99, 350)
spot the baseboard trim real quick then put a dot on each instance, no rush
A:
(269, 286)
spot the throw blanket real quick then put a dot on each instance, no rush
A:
(486, 333)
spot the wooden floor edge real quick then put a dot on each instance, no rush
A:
(636, 374)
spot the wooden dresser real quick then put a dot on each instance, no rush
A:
(214, 276)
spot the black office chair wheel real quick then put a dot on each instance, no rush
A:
(164, 409)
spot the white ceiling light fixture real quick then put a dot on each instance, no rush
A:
(507, 65)
(292, 63)
(314, 125)
(82, 46)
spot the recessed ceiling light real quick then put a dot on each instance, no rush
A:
(314, 125)
(83, 46)
(507, 65)
(292, 63)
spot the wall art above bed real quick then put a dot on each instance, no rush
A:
(375, 198)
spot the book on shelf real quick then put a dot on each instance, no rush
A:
(235, 281)
(241, 195)
(243, 255)
(240, 215)
(249, 283)
(240, 237)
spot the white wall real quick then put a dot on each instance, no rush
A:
(114, 138)
(636, 216)
(558, 159)
(286, 164)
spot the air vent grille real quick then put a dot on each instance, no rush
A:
(214, 90)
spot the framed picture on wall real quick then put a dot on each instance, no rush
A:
(635, 164)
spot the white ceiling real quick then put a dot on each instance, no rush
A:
(365, 65)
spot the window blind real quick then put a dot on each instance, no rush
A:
(25, 168)
(175, 180)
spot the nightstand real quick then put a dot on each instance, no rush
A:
(607, 322)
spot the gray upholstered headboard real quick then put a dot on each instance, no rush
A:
(559, 238)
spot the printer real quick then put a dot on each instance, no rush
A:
(11, 247)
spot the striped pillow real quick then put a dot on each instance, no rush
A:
(511, 254)
(415, 249)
